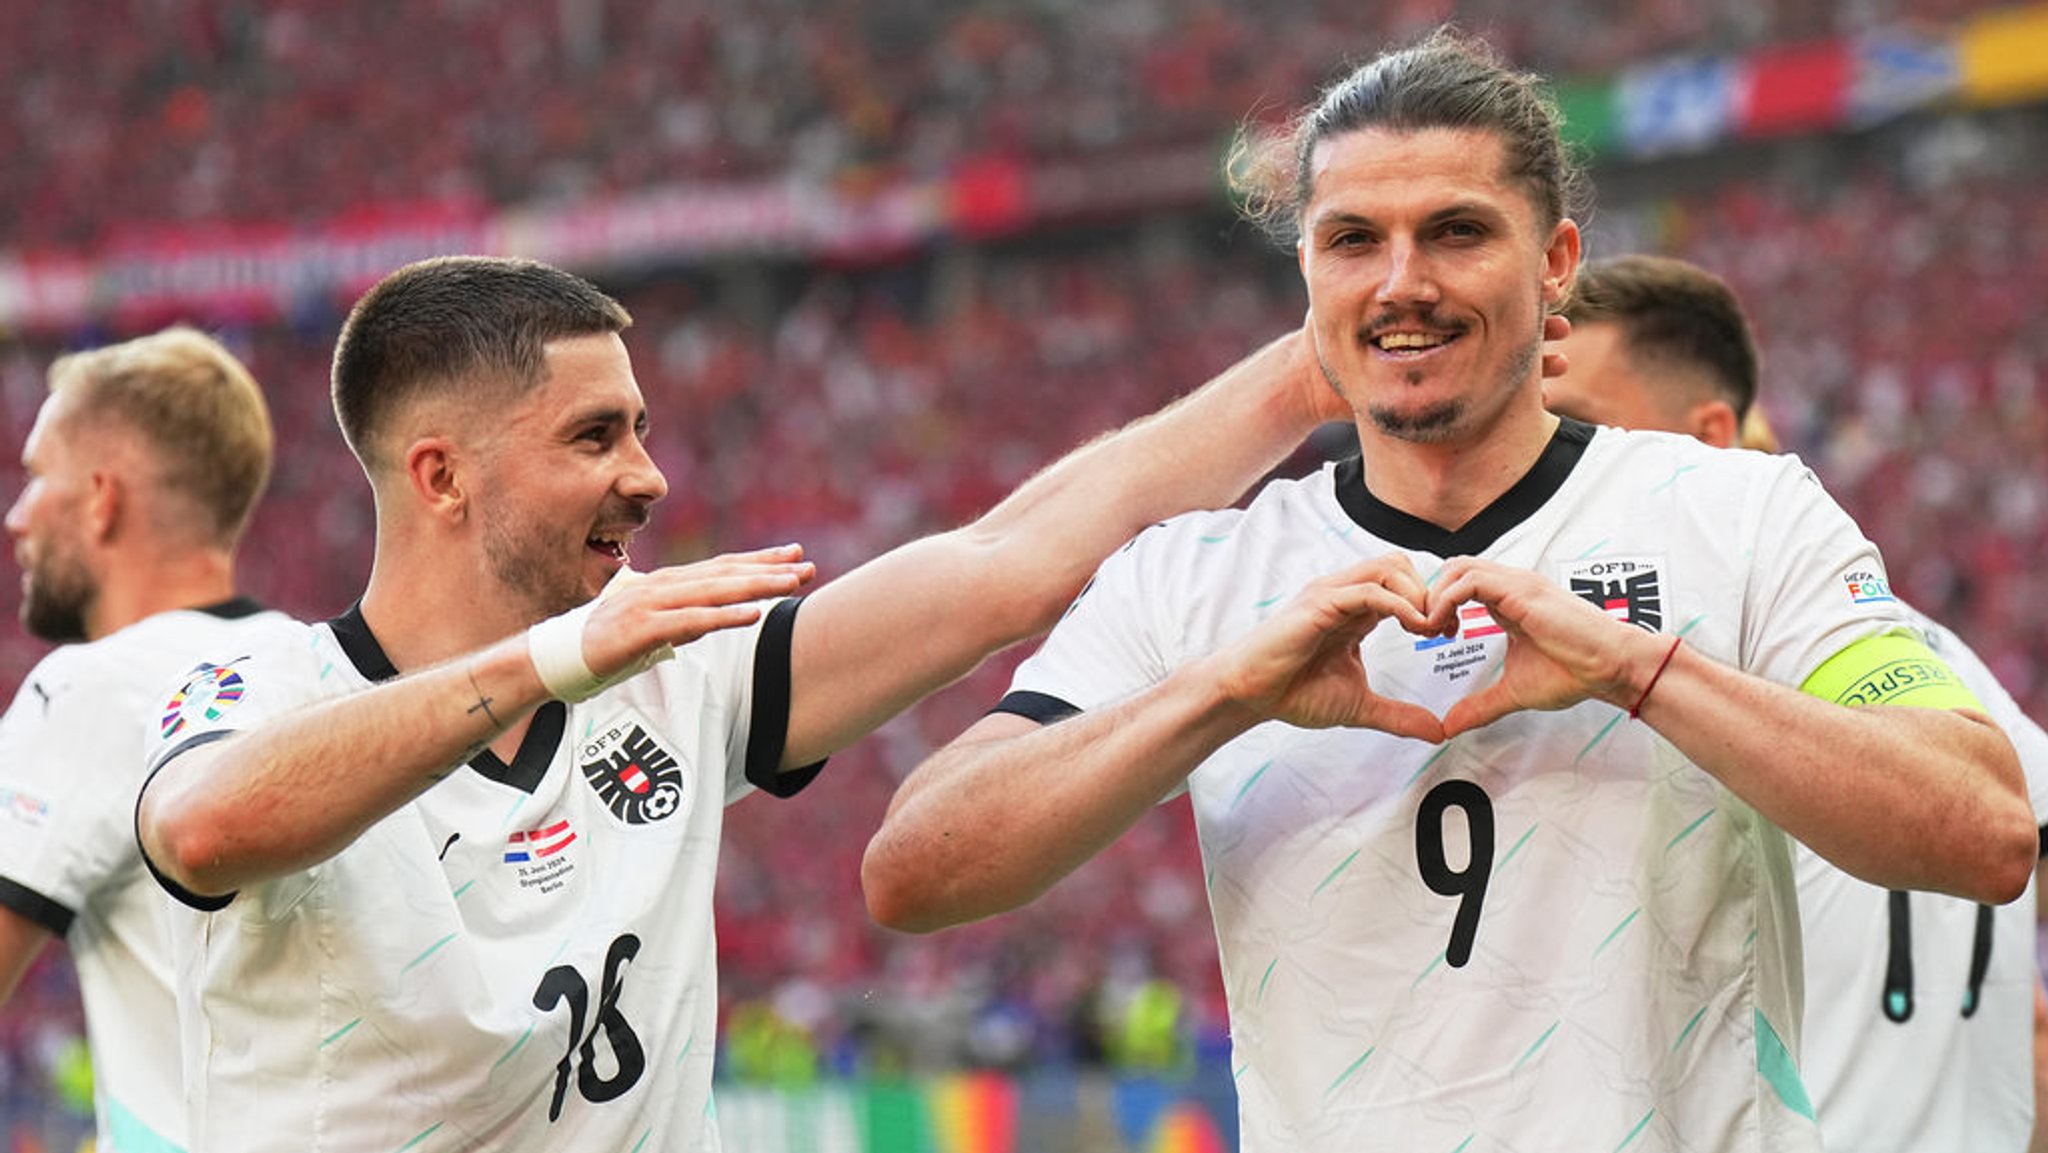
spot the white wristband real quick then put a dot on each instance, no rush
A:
(555, 646)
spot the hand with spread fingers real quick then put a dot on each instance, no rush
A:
(1561, 649)
(1303, 666)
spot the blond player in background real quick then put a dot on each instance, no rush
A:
(142, 469)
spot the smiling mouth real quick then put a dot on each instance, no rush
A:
(607, 544)
(1411, 342)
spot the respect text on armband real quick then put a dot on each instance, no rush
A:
(1892, 681)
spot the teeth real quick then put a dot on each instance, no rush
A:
(1397, 340)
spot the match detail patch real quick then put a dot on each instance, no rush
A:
(1894, 668)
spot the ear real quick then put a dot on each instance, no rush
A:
(105, 505)
(434, 474)
(1713, 421)
(1561, 263)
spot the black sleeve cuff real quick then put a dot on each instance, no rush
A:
(770, 733)
(181, 893)
(1041, 707)
(35, 907)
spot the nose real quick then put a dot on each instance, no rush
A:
(642, 479)
(1408, 279)
(17, 515)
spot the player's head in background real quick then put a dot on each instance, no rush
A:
(143, 467)
(493, 406)
(1662, 344)
(1429, 196)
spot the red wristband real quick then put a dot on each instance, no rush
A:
(1636, 708)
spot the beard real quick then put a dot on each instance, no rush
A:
(1443, 421)
(535, 565)
(528, 565)
(58, 593)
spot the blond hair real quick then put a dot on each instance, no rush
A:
(197, 411)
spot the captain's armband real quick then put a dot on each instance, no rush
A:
(1894, 668)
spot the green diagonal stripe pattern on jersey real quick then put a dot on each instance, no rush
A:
(1523, 840)
(1774, 1062)
(1689, 1027)
(1248, 783)
(1635, 1132)
(1354, 1067)
(338, 1034)
(1673, 478)
(1599, 736)
(1688, 830)
(1267, 977)
(431, 950)
(643, 1139)
(516, 1046)
(1466, 1143)
(1433, 758)
(1531, 1051)
(1334, 873)
(1625, 921)
(421, 1137)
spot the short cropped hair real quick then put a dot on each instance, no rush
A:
(197, 411)
(1448, 80)
(470, 328)
(1675, 314)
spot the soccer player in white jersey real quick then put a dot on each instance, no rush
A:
(1491, 731)
(1919, 1006)
(141, 471)
(472, 905)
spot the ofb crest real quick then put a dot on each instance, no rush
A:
(637, 778)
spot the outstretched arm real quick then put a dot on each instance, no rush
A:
(1001, 814)
(1902, 797)
(294, 791)
(872, 643)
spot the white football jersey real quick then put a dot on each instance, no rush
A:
(522, 958)
(71, 762)
(1920, 1006)
(1551, 934)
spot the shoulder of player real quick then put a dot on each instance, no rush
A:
(1668, 454)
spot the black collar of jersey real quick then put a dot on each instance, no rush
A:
(1511, 508)
(536, 749)
(232, 609)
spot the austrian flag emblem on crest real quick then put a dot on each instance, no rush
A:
(1628, 589)
(639, 779)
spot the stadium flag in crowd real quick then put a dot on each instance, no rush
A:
(1683, 104)
(1897, 71)
(2003, 56)
(1786, 91)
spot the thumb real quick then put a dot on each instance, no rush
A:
(1479, 709)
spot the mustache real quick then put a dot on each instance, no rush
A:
(1426, 319)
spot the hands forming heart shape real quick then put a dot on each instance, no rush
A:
(1303, 665)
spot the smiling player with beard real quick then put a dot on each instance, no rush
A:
(1491, 731)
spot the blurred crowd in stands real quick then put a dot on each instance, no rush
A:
(295, 110)
(1896, 282)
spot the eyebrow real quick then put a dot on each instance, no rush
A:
(1448, 212)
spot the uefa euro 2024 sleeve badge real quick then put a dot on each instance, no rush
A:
(206, 696)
